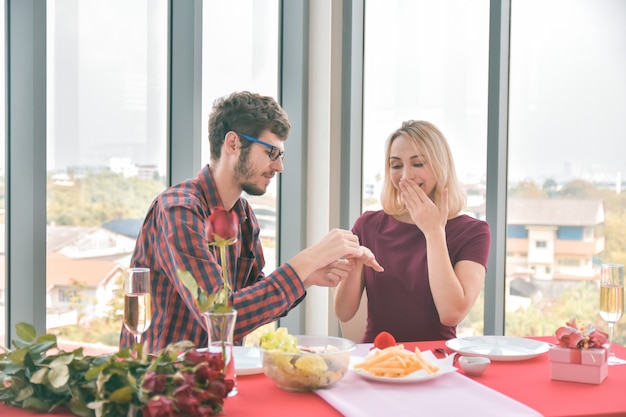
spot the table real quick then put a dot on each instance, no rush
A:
(525, 381)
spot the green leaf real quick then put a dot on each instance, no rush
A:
(205, 303)
(24, 393)
(43, 347)
(17, 357)
(188, 281)
(122, 395)
(26, 332)
(58, 375)
(79, 408)
(78, 404)
(40, 376)
(35, 404)
(65, 359)
(95, 371)
(221, 308)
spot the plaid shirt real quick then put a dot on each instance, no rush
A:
(172, 238)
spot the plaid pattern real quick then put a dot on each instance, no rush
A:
(172, 238)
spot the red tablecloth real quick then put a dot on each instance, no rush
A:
(526, 381)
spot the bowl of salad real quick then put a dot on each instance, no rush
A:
(302, 362)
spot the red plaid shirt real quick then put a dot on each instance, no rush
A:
(172, 238)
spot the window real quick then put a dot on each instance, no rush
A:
(428, 60)
(3, 203)
(67, 296)
(567, 71)
(541, 244)
(245, 60)
(106, 153)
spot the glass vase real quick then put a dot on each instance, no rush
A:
(221, 329)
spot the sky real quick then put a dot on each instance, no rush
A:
(424, 60)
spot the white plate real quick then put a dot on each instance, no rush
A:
(498, 348)
(445, 367)
(247, 360)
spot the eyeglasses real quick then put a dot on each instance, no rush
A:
(274, 153)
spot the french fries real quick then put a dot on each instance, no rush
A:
(395, 361)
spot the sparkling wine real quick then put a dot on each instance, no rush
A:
(137, 312)
(611, 302)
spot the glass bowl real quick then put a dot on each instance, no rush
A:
(324, 361)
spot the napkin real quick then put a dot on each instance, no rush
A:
(451, 394)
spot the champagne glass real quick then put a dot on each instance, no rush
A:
(137, 301)
(611, 300)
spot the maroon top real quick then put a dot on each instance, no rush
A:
(399, 299)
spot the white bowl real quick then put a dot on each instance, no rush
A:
(474, 365)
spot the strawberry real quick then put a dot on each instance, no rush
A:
(384, 340)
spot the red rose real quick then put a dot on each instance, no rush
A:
(222, 226)
(206, 373)
(195, 357)
(186, 402)
(153, 382)
(158, 406)
(207, 411)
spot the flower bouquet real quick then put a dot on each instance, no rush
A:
(178, 381)
(581, 354)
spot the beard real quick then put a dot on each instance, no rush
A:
(244, 173)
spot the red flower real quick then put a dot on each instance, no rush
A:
(206, 373)
(159, 406)
(222, 226)
(187, 403)
(153, 382)
(195, 357)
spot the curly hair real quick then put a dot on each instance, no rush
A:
(247, 113)
(432, 144)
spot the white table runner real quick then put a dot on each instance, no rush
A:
(451, 394)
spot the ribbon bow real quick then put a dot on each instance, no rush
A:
(586, 336)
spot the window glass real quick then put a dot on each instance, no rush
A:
(565, 177)
(238, 58)
(428, 60)
(3, 202)
(106, 155)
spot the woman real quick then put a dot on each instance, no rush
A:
(435, 258)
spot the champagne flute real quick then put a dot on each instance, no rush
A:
(137, 302)
(611, 300)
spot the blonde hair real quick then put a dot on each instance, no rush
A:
(433, 146)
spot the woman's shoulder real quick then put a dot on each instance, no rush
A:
(464, 221)
(368, 218)
(466, 224)
(371, 215)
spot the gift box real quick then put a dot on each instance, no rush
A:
(589, 366)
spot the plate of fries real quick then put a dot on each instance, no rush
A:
(398, 365)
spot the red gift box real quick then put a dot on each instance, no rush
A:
(589, 366)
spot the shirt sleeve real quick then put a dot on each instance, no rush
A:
(262, 299)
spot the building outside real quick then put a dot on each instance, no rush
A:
(552, 244)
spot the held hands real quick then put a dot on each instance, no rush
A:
(423, 211)
(338, 252)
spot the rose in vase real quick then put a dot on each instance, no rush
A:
(221, 230)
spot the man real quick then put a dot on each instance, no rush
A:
(246, 135)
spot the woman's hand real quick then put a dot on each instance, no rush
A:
(330, 275)
(423, 211)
